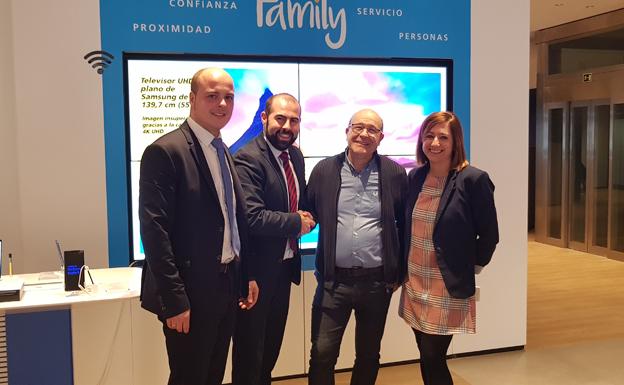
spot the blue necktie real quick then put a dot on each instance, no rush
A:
(229, 194)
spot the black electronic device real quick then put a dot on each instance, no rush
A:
(74, 262)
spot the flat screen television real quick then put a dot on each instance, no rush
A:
(330, 90)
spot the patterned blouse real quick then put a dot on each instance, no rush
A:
(426, 304)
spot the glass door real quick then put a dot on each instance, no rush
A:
(582, 183)
(577, 186)
(556, 174)
(616, 230)
(600, 133)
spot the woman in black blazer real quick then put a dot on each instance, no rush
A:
(453, 234)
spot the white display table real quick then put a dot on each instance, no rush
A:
(46, 289)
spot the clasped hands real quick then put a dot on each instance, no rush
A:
(307, 222)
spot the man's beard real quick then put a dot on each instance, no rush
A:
(277, 143)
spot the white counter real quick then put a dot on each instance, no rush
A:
(110, 284)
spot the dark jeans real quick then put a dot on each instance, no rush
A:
(433, 350)
(199, 357)
(331, 310)
(260, 331)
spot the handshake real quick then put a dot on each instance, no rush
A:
(307, 222)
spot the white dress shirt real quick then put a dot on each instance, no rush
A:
(205, 139)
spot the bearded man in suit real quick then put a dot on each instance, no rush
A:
(272, 174)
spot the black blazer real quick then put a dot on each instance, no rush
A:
(322, 195)
(466, 229)
(182, 226)
(270, 222)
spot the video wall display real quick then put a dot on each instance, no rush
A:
(402, 92)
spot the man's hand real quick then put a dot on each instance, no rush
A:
(307, 222)
(252, 297)
(180, 322)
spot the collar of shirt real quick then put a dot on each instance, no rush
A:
(275, 151)
(203, 135)
(352, 168)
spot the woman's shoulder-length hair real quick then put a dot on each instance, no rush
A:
(458, 158)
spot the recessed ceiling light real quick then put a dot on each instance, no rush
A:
(589, 6)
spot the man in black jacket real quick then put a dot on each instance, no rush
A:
(357, 199)
(272, 175)
(194, 230)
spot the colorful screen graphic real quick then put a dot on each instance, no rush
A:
(403, 93)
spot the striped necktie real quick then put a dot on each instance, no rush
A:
(292, 193)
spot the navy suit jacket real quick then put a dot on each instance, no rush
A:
(270, 222)
(182, 226)
(466, 229)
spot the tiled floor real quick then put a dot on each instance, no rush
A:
(575, 330)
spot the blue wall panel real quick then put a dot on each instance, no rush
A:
(39, 348)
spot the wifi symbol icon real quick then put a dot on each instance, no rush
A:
(99, 60)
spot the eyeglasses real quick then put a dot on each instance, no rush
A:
(359, 128)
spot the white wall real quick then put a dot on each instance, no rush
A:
(10, 218)
(60, 138)
(499, 145)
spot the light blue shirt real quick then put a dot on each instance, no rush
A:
(358, 232)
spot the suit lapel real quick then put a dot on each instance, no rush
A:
(268, 154)
(415, 187)
(200, 158)
(238, 191)
(449, 188)
(298, 165)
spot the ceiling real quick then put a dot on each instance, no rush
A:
(549, 13)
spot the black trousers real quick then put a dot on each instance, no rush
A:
(260, 331)
(433, 349)
(199, 357)
(368, 298)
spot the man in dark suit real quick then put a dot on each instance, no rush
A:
(194, 230)
(272, 174)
